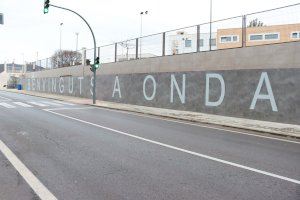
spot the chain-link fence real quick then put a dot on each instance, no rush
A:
(278, 25)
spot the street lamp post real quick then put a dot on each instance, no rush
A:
(210, 23)
(141, 14)
(60, 30)
(94, 41)
(77, 41)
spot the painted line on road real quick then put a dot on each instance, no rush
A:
(199, 125)
(186, 123)
(51, 103)
(22, 104)
(6, 105)
(182, 150)
(5, 98)
(37, 104)
(28, 176)
(65, 103)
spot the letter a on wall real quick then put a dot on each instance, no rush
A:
(117, 88)
(264, 78)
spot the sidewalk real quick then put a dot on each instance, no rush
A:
(256, 125)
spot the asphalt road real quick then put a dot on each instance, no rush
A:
(70, 151)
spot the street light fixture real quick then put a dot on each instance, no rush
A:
(141, 14)
(77, 40)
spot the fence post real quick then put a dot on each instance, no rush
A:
(244, 28)
(164, 44)
(198, 38)
(137, 48)
(116, 51)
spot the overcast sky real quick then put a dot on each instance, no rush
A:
(27, 30)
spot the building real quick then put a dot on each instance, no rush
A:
(232, 37)
(183, 42)
(8, 70)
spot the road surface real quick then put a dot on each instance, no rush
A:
(57, 150)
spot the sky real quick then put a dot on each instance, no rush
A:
(28, 34)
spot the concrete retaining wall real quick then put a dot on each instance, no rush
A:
(256, 82)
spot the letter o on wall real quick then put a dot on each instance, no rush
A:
(154, 87)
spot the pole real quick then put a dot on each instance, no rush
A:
(141, 35)
(210, 22)
(60, 29)
(77, 41)
(94, 72)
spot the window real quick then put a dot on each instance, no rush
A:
(225, 39)
(201, 42)
(256, 37)
(295, 35)
(264, 36)
(188, 43)
(228, 38)
(272, 36)
(213, 42)
(235, 38)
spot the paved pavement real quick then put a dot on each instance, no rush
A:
(70, 151)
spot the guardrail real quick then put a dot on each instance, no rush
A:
(272, 26)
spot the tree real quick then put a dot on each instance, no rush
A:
(65, 58)
(255, 23)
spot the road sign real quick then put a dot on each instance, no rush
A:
(1, 19)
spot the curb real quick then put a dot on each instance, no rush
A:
(288, 130)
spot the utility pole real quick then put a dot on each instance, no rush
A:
(141, 34)
(60, 30)
(96, 61)
(210, 23)
(77, 41)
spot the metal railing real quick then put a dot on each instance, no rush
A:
(272, 26)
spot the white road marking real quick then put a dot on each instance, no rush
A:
(6, 105)
(182, 150)
(37, 104)
(199, 125)
(5, 98)
(52, 103)
(23, 104)
(186, 123)
(28, 176)
(65, 103)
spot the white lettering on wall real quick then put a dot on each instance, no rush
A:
(61, 85)
(53, 84)
(154, 87)
(33, 84)
(221, 98)
(71, 85)
(181, 93)
(38, 84)
(80, 79)
(264, 78)
(117, 87)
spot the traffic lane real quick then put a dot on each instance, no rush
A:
(79, 161)
(12, 185)
(265, 154)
